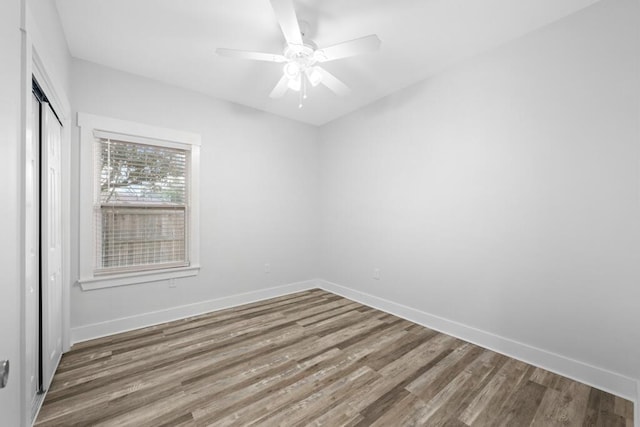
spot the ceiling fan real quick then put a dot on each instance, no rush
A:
(301, 56)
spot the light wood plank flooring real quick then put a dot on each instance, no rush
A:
(311, 358)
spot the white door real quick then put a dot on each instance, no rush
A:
(51, 243)
(32, 253)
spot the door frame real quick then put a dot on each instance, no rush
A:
(33, 66)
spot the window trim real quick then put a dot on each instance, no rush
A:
(92, 127)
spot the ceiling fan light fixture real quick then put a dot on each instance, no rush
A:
(301, 55)
(295, 83)
(292, 70)
(314, 76)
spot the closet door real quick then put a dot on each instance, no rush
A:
(32, 252)
(51, 246)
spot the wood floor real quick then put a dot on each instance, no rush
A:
(311, 358)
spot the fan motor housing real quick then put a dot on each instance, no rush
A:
(302, 55)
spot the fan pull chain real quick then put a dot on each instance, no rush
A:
(303, 91)
(304, 86)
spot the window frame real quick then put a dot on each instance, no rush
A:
(92, 128)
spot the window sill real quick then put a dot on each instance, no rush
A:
(115, 280)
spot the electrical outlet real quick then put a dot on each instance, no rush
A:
(267, 268)
(172, 283)
(376, 273)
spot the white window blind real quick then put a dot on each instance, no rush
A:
(141, 208)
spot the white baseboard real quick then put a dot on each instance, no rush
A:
(596, 377)
(124, 324)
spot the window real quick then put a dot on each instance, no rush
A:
(142, 222)
(141, 209)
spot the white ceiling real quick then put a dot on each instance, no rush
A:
(174, 41)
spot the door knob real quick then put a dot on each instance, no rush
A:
(4, 373)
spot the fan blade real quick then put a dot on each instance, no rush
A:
(244, 54)
(286, 16)
(351, 48)
(332, 82)
(281, 88)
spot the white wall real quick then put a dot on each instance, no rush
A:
(47, 36)
(10, 299)
(258, 201)
(504, 193)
